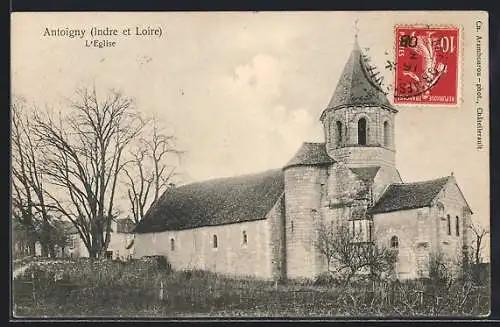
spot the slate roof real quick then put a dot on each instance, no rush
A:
(403, 196)
(214, 202)
(366, 174)
(310, 154)
(355, 87)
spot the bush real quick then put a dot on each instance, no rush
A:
(104, 287)
(106, 282)
(326, 278)
(160, 261)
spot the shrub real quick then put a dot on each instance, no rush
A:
(326, 278)
(160, 261)
(105, 282)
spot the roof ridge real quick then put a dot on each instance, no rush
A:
(422, 182)
(225, 178)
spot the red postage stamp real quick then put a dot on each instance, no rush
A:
(426, 65)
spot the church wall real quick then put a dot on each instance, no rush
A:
(423, 233)
(412, 228)
(344, 189)
(77, 248)
(303, 188)
(276, 219)
(194, 248)
(454, 205)
(118, 244)
(358, 156)
(349, 118)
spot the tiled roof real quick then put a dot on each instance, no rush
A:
(404, 196)
(214, 202)
(310, 154)
(355, 87)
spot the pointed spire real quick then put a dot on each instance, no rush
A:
(357, 85)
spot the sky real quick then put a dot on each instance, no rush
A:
(242, 91)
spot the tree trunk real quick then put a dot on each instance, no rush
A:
(477, 257)
(92, 253)
(93, 249)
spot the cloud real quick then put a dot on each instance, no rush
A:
(249, 120)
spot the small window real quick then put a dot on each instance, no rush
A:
(353, 228)
(386, 133)
(457, 226)
(172, 244)
(370, 231)
(245, 237)
(448, 220)
(394, 242)
(215, 243)
(362, 131)
(339, 132)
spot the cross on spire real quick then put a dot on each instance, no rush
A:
(356, 29)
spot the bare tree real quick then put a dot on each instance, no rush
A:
(478, 242)
(348, 254)
(83, 158)
(149, 172)
(29, 203)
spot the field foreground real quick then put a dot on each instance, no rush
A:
(148, 288)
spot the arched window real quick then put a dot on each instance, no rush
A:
(370, 231)
(215, 244)
(339, 132)
(245, 237)
(394, 242)
(172, 244)
(362, 131)
(448, 219)
(386, 134)
(457, 226)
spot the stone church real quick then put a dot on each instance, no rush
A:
(265, 225)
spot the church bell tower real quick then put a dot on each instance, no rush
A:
(359, 120)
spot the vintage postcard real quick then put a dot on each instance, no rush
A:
(250, 165)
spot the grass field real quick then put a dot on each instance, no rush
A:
(85, 288)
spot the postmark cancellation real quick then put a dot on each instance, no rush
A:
(427, 65)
